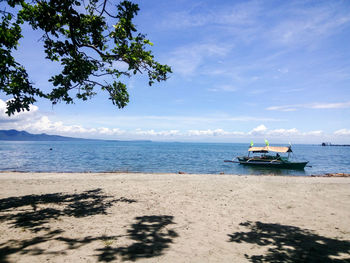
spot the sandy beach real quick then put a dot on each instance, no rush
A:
(49, 217)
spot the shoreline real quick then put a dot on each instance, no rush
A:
(177, 173)
(118, 217)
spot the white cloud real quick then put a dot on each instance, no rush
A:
(18, 116)
(36, 122)
(107, 131)
(170, 133)
(261, 129)
(307, 25)
(258, 133)
(284, 108)
(336, 105)
(234, 15)
(209, 132)
(224, 88)
(291, 24)
(186, 60)
(342, 132)
(284, 132)
(313, 133)
(283, 70)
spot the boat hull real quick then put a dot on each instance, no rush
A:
(272, 163)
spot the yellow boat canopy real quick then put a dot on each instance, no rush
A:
(277, 149)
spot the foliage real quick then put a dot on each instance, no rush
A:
(78, 37)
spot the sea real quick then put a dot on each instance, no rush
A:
(159, 157)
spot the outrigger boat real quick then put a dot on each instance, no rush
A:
(268, 160)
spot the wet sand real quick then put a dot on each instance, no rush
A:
(116, 217)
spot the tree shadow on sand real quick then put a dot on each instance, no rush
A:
(149, 234)
(30, 246)
(34, 212)
(291, 244)
(151, 237)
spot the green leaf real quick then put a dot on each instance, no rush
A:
(79, 42)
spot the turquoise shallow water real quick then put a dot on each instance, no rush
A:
(103, 156)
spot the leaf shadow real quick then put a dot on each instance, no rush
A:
(151, 237)
(34, 212)
(29, 246)
(150, 234)
(291, 244)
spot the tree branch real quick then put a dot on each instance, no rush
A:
(5, 12)
(94, 82)
(104, 6)
(110, 14)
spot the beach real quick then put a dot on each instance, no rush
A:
(120, 217)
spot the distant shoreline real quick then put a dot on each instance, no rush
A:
(325, 175)
(341, 145)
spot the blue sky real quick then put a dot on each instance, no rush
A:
(242, 70)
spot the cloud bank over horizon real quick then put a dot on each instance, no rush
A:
(35, 121)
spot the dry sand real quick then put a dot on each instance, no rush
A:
(48, 217)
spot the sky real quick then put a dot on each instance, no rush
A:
(242, 71)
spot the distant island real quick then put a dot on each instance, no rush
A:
(14, 135)
(330, 144)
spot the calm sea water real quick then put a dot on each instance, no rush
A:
(102, 156)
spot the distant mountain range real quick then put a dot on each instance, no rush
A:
(14, 135)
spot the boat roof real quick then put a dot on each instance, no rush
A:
(278, 149)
